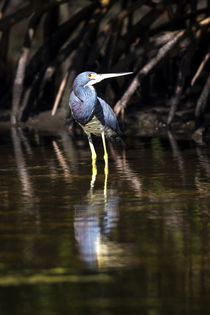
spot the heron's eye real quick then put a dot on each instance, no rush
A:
(89, 75)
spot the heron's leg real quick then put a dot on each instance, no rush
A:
(104, 144)
(94, 173)
(94, 156)
(92, 149)
(106, 170)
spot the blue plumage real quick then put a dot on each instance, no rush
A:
(110, 120)
(87, 107)
(83, 99)
(93, 114)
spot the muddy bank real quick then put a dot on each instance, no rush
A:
(145, 123)
(153, 122)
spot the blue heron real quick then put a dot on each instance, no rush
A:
(93, 114)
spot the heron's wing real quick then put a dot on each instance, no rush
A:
(107, 116)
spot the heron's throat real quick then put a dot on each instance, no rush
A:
(91, 88)
(85, 92)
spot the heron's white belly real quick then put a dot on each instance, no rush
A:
(95, 126)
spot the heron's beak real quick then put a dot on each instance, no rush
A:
(99, 77)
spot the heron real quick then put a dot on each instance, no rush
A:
(93, 113)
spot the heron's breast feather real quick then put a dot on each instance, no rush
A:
(96, 127)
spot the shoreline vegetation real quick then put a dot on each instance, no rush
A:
(44, 45)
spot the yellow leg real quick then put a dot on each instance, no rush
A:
(104, 144)
(94, 156)
(92, 149)
(105, 183)
(106, 169)
(94, 173)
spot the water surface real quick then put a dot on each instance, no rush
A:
(69, 244)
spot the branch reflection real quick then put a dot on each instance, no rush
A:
(27, 189)
(177, 154)
(124, 168)
(203, 185)
(62, 162)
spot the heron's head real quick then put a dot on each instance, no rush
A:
(89, 78)
(84, 78)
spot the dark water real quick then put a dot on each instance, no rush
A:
(138, 245)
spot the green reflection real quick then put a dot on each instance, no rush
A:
(157, 151)
(137, 245)
(56, 275)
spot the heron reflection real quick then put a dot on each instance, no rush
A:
(94, 219)
(96, 214)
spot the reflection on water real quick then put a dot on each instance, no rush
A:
(135, 242)
(23, 175)
(93, 222)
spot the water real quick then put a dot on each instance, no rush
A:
(72, 244)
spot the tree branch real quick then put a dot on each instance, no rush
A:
(10, 20)
(200, 68)
(163, 51)
(20, 72)
(201, 103)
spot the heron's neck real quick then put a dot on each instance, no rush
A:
(85, 92)
(92, 88)
(84, 107)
